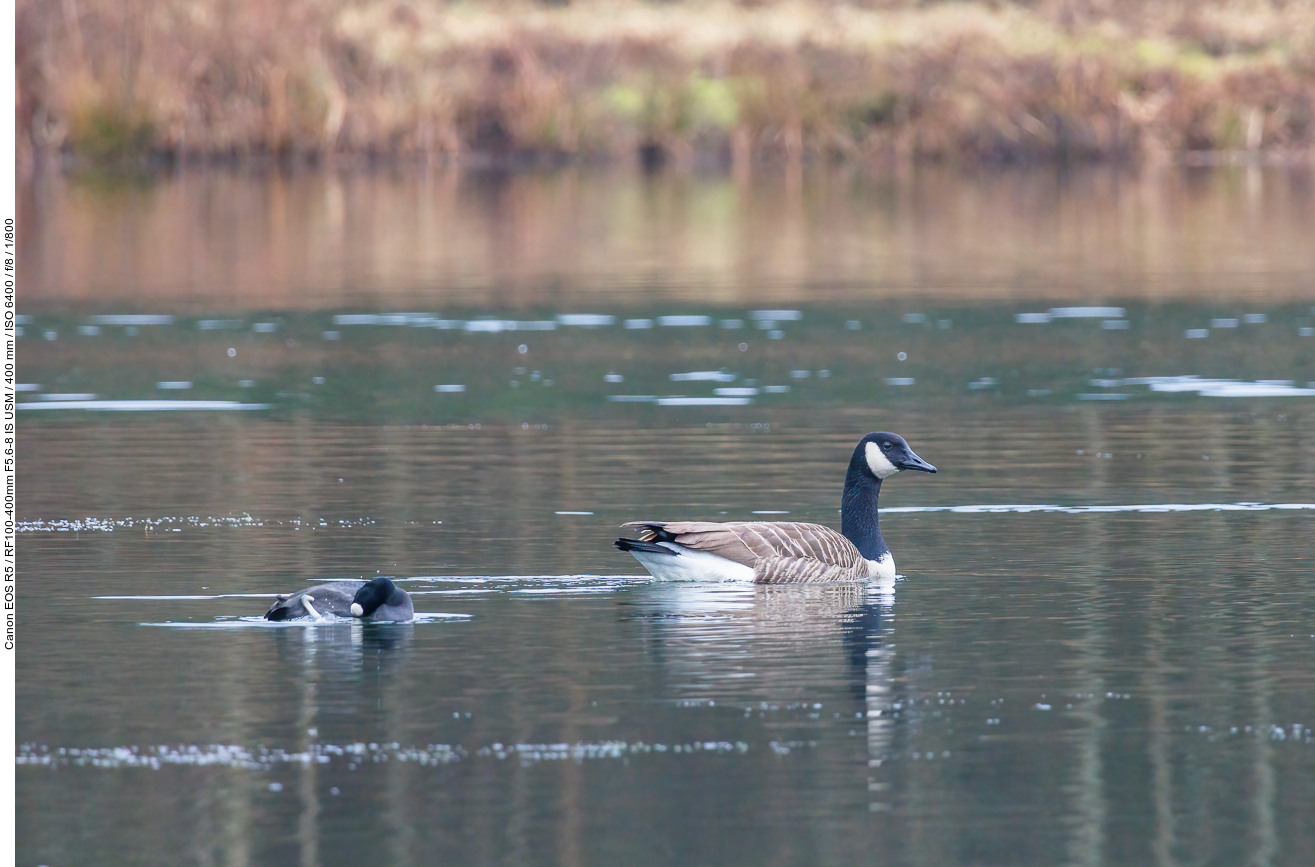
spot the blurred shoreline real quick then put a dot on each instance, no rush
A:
(686, 85)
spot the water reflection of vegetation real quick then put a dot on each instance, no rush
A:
(214, 243)
(827, 357)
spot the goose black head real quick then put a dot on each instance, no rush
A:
(376, 592)
(884, 454)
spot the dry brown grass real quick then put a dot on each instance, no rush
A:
(892, 81)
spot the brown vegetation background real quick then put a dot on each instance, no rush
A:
(683, 82)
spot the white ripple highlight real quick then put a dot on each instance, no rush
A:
(993, 508)
(147, 405)
(353, 755)
(255, 621)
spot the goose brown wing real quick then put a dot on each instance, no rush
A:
(332, 598)
(714, 538)
(816, 553)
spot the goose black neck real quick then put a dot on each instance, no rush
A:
(858, 511)
(376, 593)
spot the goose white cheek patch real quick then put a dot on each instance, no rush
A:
(877, 462)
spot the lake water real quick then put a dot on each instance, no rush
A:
(1101, 651)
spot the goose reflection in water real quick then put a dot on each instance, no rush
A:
(776, 644)
(344, 652)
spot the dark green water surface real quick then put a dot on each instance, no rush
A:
(1101, 652)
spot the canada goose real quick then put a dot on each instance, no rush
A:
(375, 600)
(769, 552)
